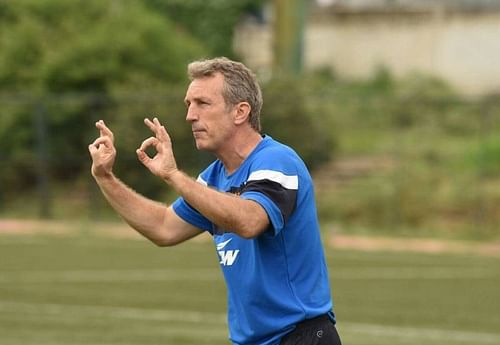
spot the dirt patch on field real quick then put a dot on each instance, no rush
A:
(369, 243)
(27, 227)
(344, 241)
(105, 229)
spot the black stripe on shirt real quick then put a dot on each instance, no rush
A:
(285, 199)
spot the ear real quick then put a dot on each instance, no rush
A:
(242, 112)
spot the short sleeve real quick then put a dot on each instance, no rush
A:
(190, 215)
(274, 185)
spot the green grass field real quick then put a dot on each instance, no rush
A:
(84, 289)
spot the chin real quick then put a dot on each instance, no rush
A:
(202, 146)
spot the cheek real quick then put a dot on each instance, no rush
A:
(217, 123)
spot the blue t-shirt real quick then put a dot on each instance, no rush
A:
(280, 277)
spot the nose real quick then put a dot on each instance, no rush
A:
(191, 114)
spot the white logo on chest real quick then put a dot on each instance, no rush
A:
(227, 257)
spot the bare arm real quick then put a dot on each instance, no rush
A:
(244, 217)
(152, 219)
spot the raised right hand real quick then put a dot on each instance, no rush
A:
(103, 151)
(163, 163)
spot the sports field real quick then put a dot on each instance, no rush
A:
(87, 289)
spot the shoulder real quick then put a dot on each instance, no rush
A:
(271, 145)
(278, 156)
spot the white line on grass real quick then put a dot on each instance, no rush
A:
(414, 273)
(109, 276)
(170, 323)
(207, 274)
(83, 311)
(373, 330)
(219, 319)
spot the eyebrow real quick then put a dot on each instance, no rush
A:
(197, 99)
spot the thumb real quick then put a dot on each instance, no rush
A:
(93, 150)
(143, 157)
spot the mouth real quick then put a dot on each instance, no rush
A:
(197, 131)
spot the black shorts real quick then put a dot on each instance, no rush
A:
(317, 331)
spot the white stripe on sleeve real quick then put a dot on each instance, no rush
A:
(287, 181)
(202, 181)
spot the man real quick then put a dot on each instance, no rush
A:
(256, 200)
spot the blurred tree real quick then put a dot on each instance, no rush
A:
(91, 45)
(120, 60)
(107, 51)
(211, 21)
(288, 117)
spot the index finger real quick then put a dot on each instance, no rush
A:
(156, 127)
(150, 124)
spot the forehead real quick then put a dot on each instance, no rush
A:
(210, 86)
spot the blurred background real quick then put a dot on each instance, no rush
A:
(393, 104)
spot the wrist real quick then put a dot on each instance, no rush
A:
(171, 177)
(103, 177)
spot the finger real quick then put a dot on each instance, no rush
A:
(150, 125)
(158, 129)
(92, 149)
(143, 157)
(151, 141)
(104, 130)
(163, 134)
(105, 140)
(141, 151)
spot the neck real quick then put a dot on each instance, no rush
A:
(237, 150)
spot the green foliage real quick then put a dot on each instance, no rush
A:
(485, 159)
(102, 50)
(72, 63)
(423, 160)
(288, 117)
(211, 21)
(59, 45)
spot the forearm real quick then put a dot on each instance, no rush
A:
(144, 215)
(229, 212)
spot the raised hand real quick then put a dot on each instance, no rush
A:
(103, 151)
(162, 164)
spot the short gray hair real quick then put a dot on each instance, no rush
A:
(240, 83)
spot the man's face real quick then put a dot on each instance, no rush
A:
(210, 118)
